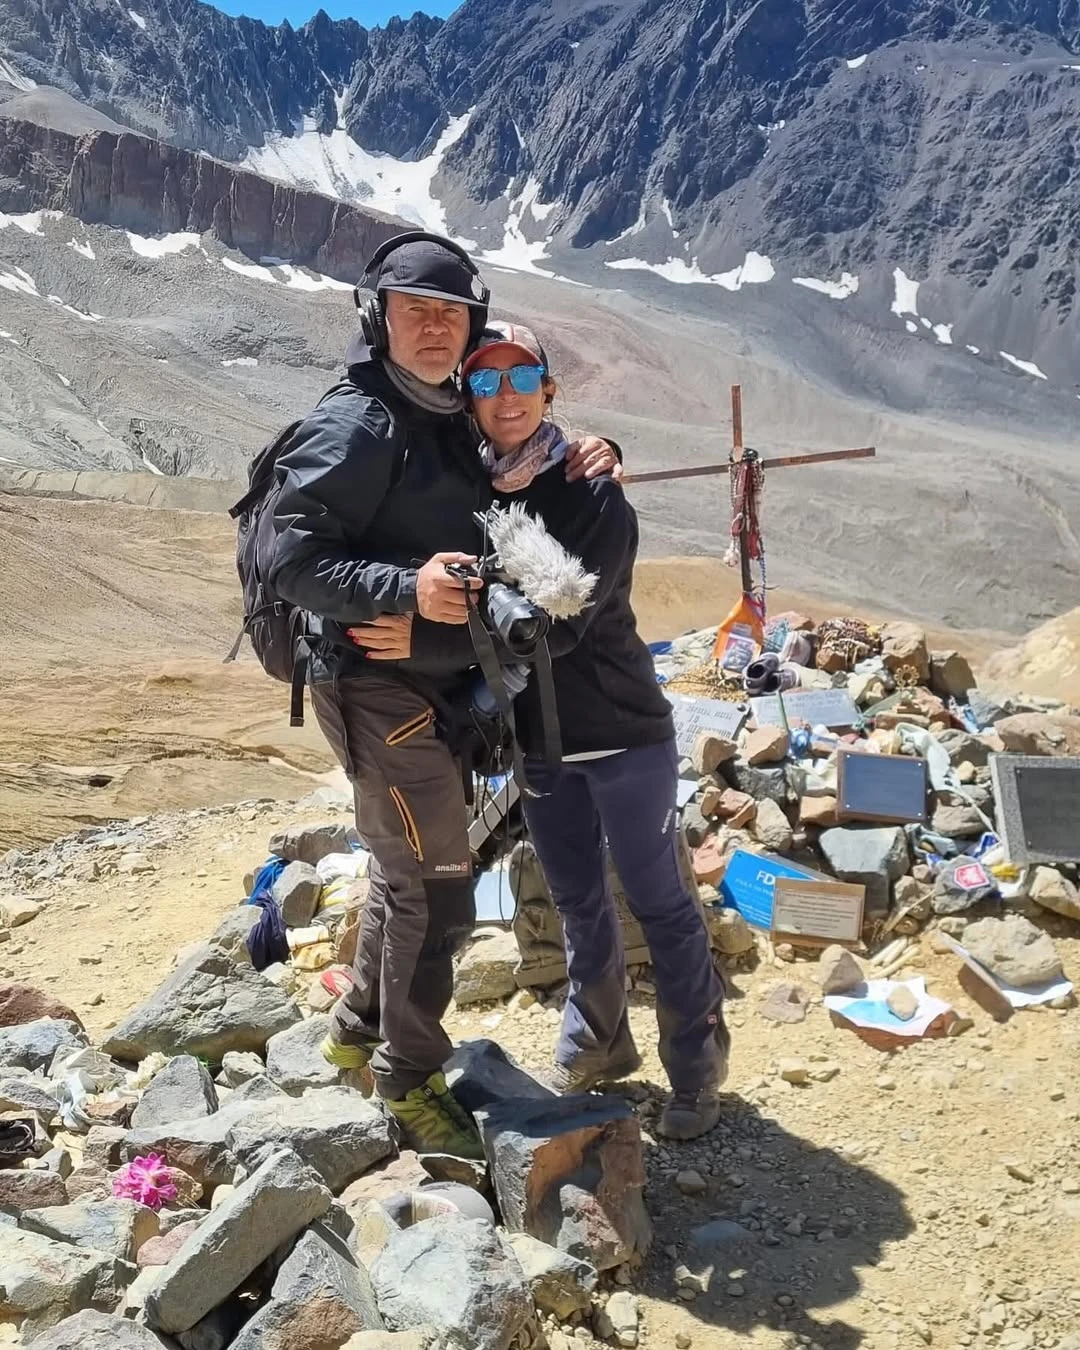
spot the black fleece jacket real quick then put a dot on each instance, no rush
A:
(605, 681)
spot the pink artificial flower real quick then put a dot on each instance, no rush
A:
(147, 1180)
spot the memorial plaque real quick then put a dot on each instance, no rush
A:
(888, 789)
(817, 913)
(1038, 802)
(832, 708)
(749, 884)
(695, 715)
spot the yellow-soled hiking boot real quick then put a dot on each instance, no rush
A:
(434, 1121)
(352, 1060)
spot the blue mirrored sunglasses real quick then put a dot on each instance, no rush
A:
(486, 382)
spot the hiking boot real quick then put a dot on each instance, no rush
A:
(689, 1115)
(354, 1061)
(434, 1121)
(566, 1079)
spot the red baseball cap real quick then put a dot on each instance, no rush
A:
(514, 336)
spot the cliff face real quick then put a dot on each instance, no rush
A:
(134, 183)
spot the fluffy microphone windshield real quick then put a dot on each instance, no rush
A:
(535, 561)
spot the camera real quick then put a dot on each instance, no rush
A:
(518, 623)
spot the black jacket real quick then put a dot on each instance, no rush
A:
(373, 486)
(605, 681)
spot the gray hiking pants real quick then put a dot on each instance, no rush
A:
(410, 812)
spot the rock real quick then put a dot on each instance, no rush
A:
(960, 821)
(200, 1147)
(297, 891)
(1014, 950)
(1055, 734)
(903, 649)
(481, 1072)
(334, 1130)
(960, 884)
(766, 745)
(571, 1172)
(818, 811)
(911, 901)
(986, 709)
(21, 1190)
(902, 1003)
(719, 1233)
(208, 1006)
(736, 809)
(419, 1338)
(838, 971)
(873, 858)
(239, 1067)
(760, 783)
(710, 751)
(402, 1173)
(729, 931)
(456, 1275)
(786, 1004)
(311, 843)
(622, 1314)
(89, 1181)
(21, 1003)
(104, 1145)
(1049, 889)
(320, 1297)
(950, 675)
(280, 1197)
(159, 1251)
(691, 1182)
(25, 1095)
(560, 1284)
(771, 828)
(15, 911)
(486, 970)
(294, 1061)
(182, 1090)
(32, 1045)
(135, 865)
(42, 1282)
(866, 690)
(90, 1330)
(695, 826)
(119, 1227)
(795, 1071)
(964, 748)
(218, 1328)
(709, 861)
(230, 937)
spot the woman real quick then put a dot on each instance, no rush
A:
(619, 770)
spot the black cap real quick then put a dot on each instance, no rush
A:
(424, 267)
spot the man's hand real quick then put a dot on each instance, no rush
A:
(387, 638)
(441, 597)
(589, 457)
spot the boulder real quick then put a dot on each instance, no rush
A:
(766, 745)
(32, 1045)
(570, 1172)
(963, 748)
(104, 1145)
(485, 970)
(456, 1275)
(786, 1004)
(1014, 950)
(320, 1298)
(957, 820)
(961, 884)
(1055, 734)
(21, 1003)
(239, 1067)
(710, 751)
(903, 648)
(22, 1190)
(27, 1095)
(760, 783)
(419, 1338)
(16, 910)
(736, 809)
(294, 1061)
(160, 1250)
(819, 811)
(182, 1090)
(90, 1330)
(481, 1073)
(560, 1284)
(771, 828)
(731, 935)
(42, 1281)
(873, 858)
(403, 1173)
(89, 1181)
(311, 843)
(230, 937)
(838, 971)
(335, 1131)
(950, 675)
(1050, 890)
(119, 1227)
(208, 1006)
(987, 709)
(297, 891)
(280, 1198)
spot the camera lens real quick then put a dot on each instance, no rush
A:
(518, 622)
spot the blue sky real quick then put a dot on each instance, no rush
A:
(367, 12)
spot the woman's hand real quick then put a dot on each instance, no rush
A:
(589, 457)
(387, 638)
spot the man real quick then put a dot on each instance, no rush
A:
(379, 487)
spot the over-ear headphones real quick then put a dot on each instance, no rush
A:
(369, 304)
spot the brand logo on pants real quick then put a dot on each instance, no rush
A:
(456, 869)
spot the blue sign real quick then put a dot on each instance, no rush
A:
(749, 882)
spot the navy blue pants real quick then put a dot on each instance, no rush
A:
(628, 798)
